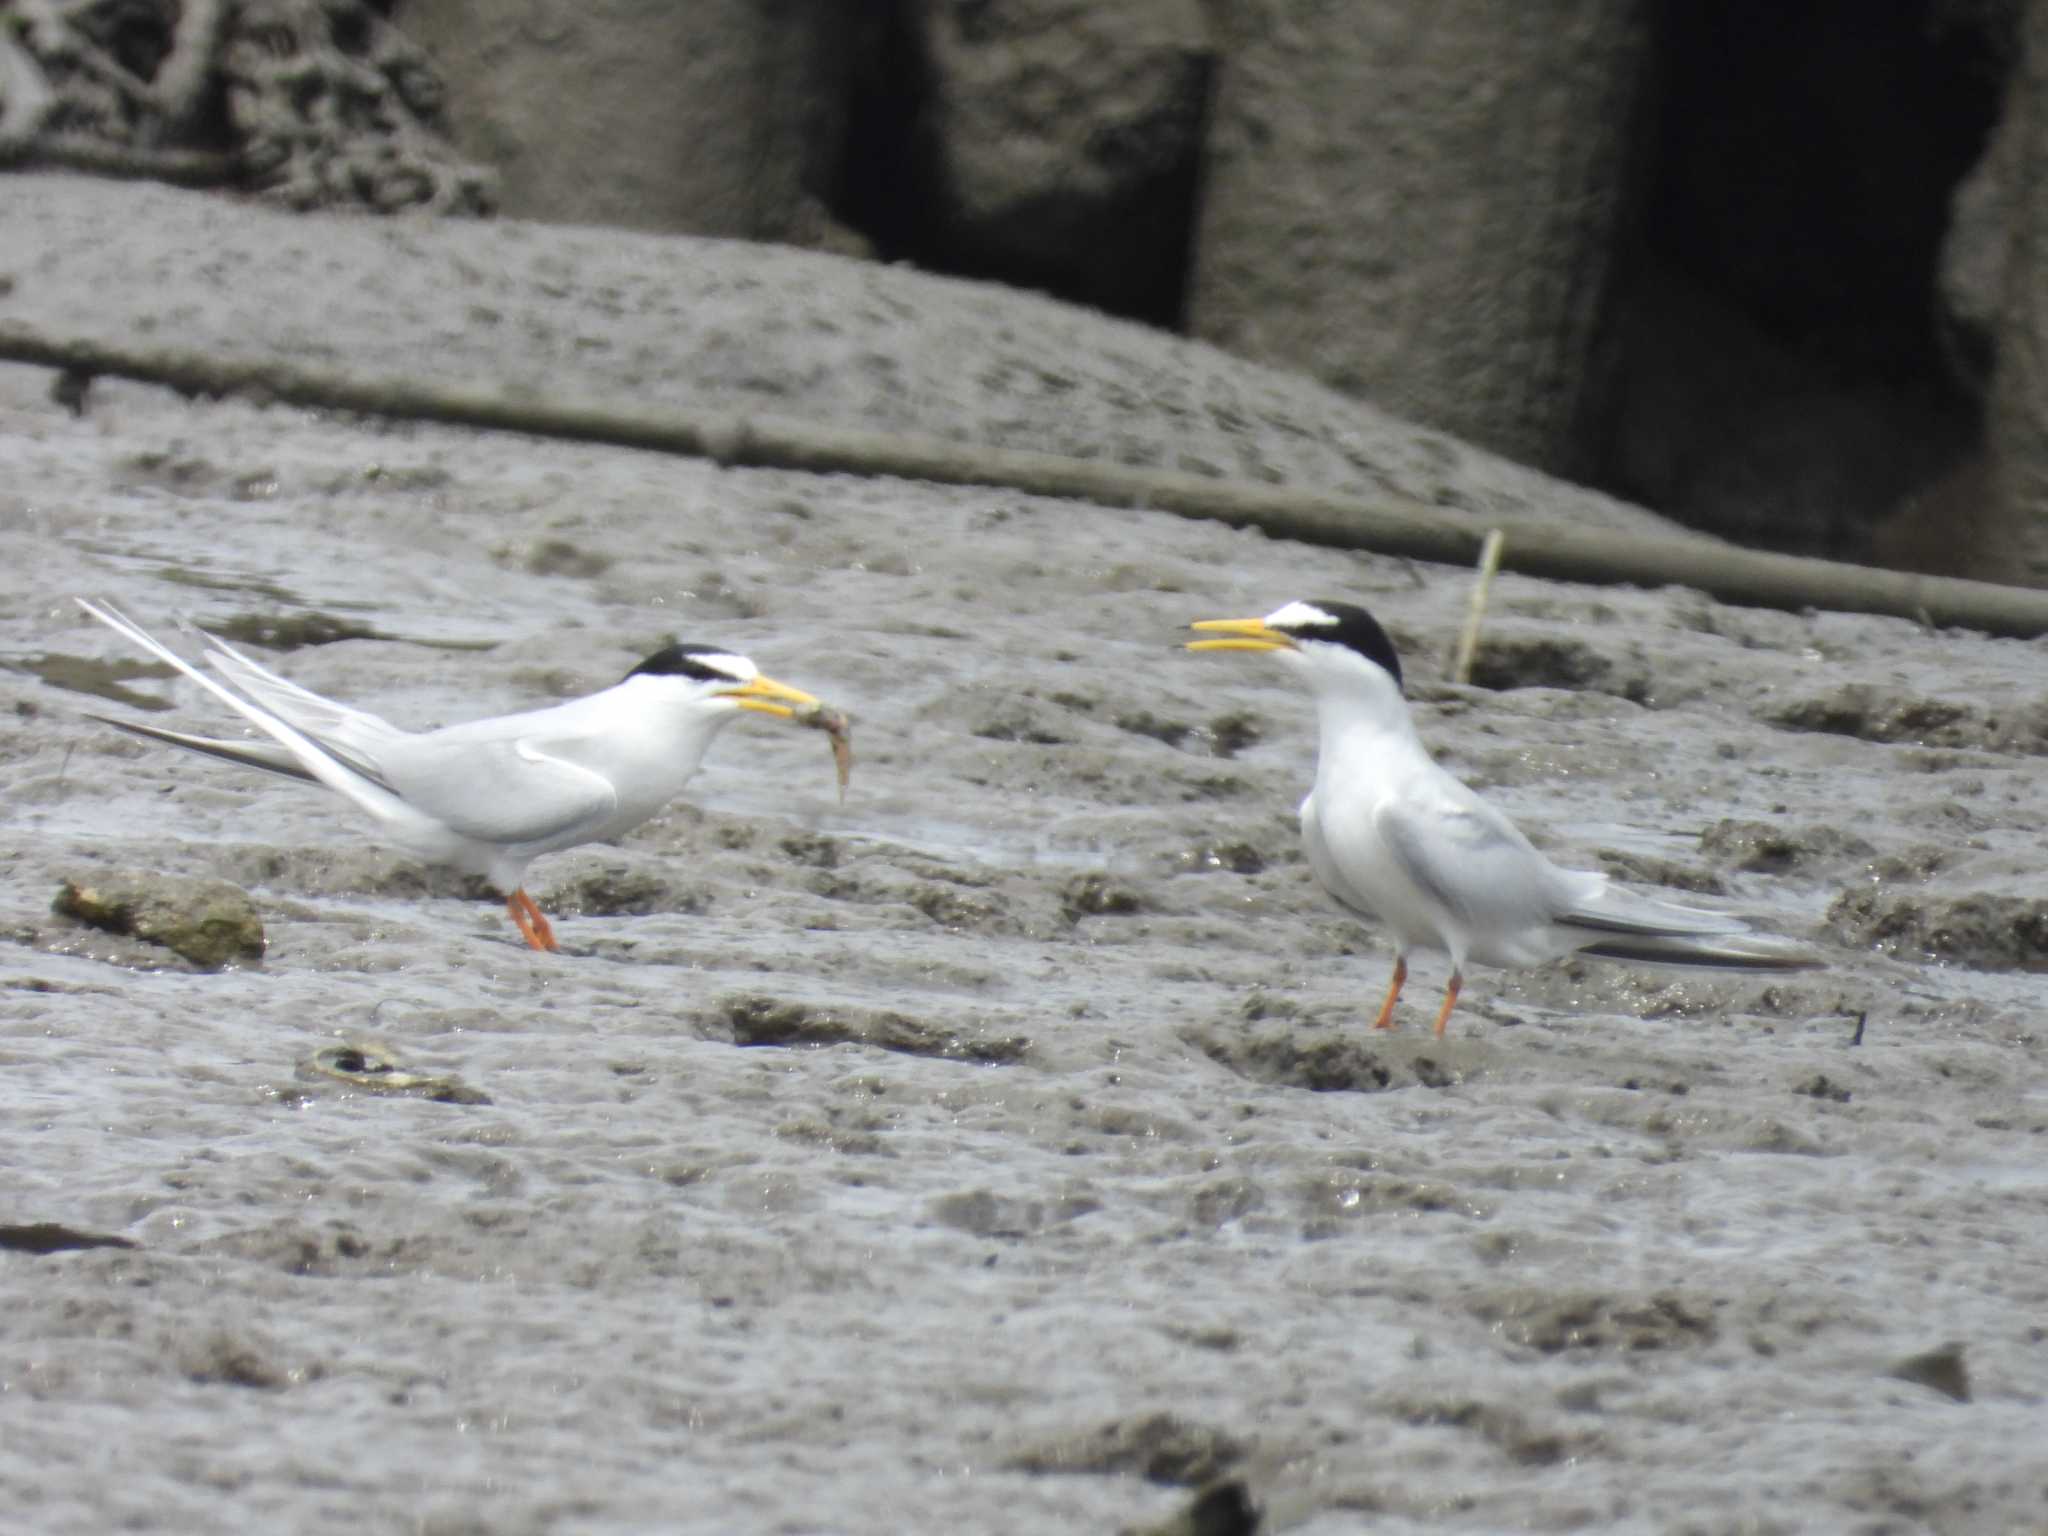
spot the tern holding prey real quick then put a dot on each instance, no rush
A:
(490, 796)
(1392, 836)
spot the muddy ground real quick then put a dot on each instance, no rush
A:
(1002, 1149)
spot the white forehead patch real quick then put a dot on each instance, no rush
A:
(1298, 614)
(736, 667)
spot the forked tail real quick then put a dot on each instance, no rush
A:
(1717, 951)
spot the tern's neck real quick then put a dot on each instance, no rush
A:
(1370, 717)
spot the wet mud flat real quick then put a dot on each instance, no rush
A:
(1003, 1148)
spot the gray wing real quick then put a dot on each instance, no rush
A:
(505, 792)
(1473, 862)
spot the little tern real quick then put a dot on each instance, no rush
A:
(489, 796)
(1393, 836)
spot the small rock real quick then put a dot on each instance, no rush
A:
(378, 1069)
(1942, 1369)
(209, 922)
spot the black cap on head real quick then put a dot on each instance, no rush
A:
(1344, 624)
(686, 661)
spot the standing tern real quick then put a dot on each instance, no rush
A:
(1393, 836)
(490, 796)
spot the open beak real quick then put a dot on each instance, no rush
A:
(769, 697)
(1241, 635)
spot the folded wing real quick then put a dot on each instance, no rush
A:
(507, 792)
(1472, 862)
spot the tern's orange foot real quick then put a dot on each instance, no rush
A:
(532, 923)
(1443, 1014)
(1386, 1018)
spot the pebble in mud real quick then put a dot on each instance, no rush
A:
(1942, 1369)
(379, 1069)
(209, 922)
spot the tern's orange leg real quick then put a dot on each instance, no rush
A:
(1443, 1015)
(1386, 1018)
(531, 921)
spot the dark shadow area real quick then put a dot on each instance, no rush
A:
(1780, 370)
(1122, 244)
(1775, 365)
(883, 181)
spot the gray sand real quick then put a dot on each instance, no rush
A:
(1003, 1149)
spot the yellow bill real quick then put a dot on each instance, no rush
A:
(770, 697)
(1240, 635)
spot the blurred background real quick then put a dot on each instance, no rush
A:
(1770, 270)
